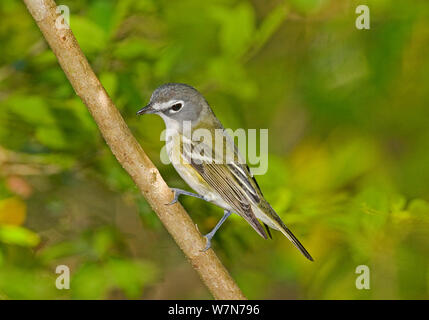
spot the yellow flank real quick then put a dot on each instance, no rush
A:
(183, 167)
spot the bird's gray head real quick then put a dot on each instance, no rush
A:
(176, 103)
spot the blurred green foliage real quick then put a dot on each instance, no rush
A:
(347, 113)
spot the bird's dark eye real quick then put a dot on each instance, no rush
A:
(176, 107)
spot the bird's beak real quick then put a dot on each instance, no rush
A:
(148, 109)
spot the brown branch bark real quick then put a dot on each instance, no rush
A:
(129, 153)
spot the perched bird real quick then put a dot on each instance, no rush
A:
(227, 183)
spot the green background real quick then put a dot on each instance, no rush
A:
(347, 113)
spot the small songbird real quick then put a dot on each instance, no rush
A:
(228, 183)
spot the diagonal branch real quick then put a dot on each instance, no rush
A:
(129, 153)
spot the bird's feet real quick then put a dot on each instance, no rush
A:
(208, 237)
(178, 192)
(211, 234)
(175, 198)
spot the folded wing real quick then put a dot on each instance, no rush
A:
(229, 181)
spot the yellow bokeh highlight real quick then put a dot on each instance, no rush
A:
(13, 211)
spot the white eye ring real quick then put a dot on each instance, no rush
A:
(176, 107)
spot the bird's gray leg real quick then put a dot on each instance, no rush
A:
(178, 192)
(210, 235)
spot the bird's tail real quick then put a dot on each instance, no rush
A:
(295, 241)
(277, 223)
